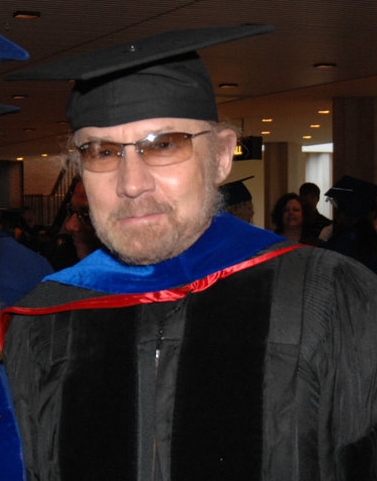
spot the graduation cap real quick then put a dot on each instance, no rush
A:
(156, 76)
(355, 197)
(10, 51)
(236, 192)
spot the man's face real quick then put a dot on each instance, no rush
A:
(146, 214)
(78, 223)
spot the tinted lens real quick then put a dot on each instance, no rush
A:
(101, 156)
(166, 149)
(161, 149)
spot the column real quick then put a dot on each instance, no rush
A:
(354, 138)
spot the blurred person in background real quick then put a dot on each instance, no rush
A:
(353, 231)
(289, 218)
(238, 200)
(315, 222)
(21, 269)
(74, 236)
(78, 223)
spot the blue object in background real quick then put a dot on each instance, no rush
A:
(11, 457)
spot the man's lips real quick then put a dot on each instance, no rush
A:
(145, 211)
(141, 218)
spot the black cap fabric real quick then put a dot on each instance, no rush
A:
(178, 89)
(156, 76)
(236, 192)
(355, 197)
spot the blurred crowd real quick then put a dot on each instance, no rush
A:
(68, 240)
(352, 231)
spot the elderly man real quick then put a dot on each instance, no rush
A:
(193, 346)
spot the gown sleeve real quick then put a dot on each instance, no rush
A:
(337, 379)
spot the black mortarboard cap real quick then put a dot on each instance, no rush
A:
(355, 197)
(156, 76)
(236, 192)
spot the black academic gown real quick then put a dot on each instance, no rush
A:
(261, 370)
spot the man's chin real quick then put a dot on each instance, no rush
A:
(141, 259)
(140, 249)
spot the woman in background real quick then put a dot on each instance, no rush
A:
(288, 216)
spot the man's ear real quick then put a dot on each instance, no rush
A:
(227, 146)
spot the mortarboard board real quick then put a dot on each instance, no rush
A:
(355, 197)
(10, 51)
(156, 76)
(236, 192)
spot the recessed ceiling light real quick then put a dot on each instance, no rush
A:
(324, 66)
(44, 155)
(19, 158)
(28, 129)
(323, 112)
(265, 132)
(315, 126)
(26, 14)
(306, 137)
(19, 96)
(228, 85)
(266, 120)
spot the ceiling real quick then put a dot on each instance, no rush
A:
(274, 72)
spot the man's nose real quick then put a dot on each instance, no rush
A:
(134, 176)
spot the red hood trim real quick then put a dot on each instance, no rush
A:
(126, 300)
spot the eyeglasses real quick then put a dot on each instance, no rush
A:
(82, 214)
(155, 150)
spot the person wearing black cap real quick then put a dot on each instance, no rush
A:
(238, 200)
(354, 233)
(193, 346)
